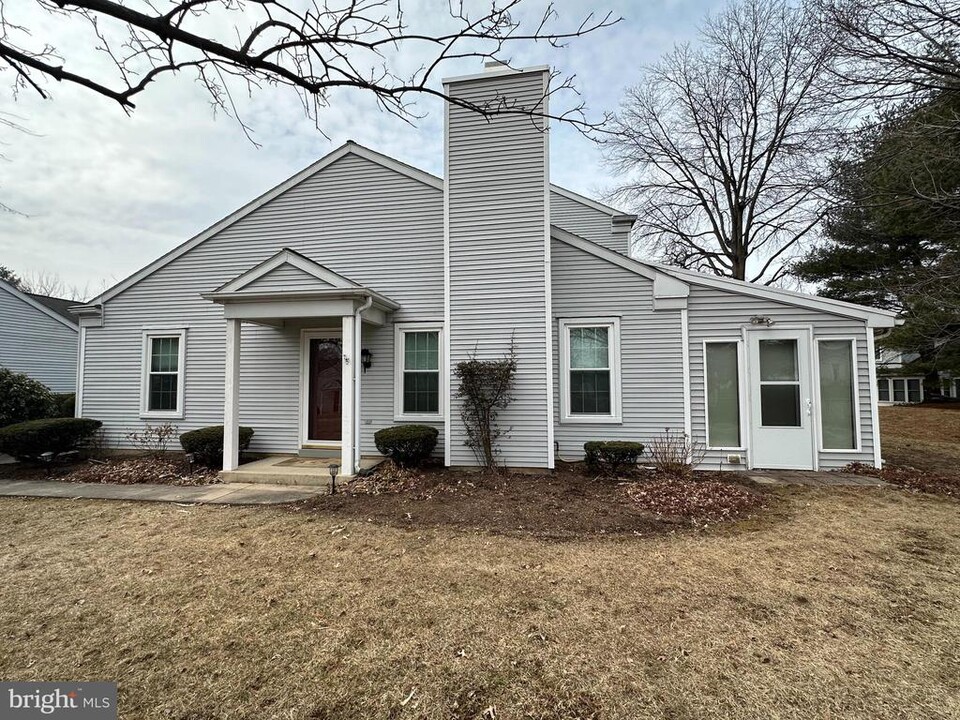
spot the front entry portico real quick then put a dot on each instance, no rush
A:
(331, 310)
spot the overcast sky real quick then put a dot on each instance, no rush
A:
(103, 193)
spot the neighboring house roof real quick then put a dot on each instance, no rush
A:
(348, 148)
(60, 306)
(45, 304)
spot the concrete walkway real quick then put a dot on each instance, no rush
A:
(225, 494)
(814, 478)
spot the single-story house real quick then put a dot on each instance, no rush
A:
(341, 301)
(38, 337)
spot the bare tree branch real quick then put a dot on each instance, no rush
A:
(312, 47)
(724, 146)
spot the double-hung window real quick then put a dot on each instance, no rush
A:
(590, 370)
(162, 389)
(419, 387)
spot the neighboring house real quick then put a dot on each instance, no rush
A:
(38, 337)
(340, 302)
(894, 384)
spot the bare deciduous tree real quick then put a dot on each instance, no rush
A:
(310, 46)
(893, 48)
(42, 282)
(723, 146)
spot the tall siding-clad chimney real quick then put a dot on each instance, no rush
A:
(497, 251)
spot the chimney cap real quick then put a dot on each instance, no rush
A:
(495, 65)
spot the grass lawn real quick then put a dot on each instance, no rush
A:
(831, 604)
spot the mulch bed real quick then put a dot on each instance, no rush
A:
(117, 471)
(139, 470)
(911, 478)
(564, 503)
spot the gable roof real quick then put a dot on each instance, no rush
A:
(287, 257)
(55, 308)
(348, 148)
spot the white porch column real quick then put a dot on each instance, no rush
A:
(348, 343)
(231, 398)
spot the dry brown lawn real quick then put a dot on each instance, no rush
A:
(922, 436)
(837, 604)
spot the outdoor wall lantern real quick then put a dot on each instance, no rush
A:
(334, 469)
(366, 359)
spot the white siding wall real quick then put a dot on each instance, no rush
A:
(34, 343)
(587, 222)
(650, 347)
(718, 314)
(371, 224)
(498, 234)
(285, 277)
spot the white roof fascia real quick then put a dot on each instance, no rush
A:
(38, 306)
(873, 316)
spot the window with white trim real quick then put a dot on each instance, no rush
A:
(418, 362)
(722, 361)
(590, 370)
(838, 394)
(162, 388)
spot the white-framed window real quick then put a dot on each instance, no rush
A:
(899, 390)
(838, 392)
(722, 360)
(419, 384)
(590, 370)
(161, 394)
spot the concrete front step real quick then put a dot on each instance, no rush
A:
(291, 470)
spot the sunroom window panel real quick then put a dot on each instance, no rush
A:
(723, 395)
(837, 399)
(899, 391)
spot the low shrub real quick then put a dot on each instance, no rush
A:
(66, 404)
(611, 457)
(206, 444)
(676, 453)
(407, 445)
(29, 440)
(23, 399)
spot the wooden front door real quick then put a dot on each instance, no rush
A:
(325, 390)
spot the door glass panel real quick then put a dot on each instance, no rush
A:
(837, 414)
(883, 387)
(723, 395)
(780, 405)
(778, 360)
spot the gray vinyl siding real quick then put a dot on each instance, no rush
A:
(651, 357)
(379, 228)
(33, 343)
(498, 215)
(719, 315)
(587, 222)
(285, 277)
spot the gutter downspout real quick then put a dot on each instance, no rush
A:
(357, 372)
